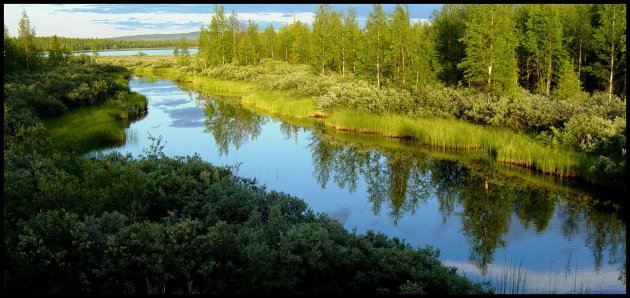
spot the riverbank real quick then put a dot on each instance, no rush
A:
(82, 129)
(502, 145)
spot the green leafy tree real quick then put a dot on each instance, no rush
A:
(203, 54)
(448, 25)
(568, 81)
(283, 42)
(218, 46)
(268, 41)
(578, 32)
(377, 41)
(543, 42)
(250, 48)
(400, 43)
(351, 38)
(300, 43)
(326, 31)
(94, 49)
(234, 31)
(338, 47)
(490, 40)
(423, 64)
(26, 41)
(609, 43)
(11, 53)
(183, 57)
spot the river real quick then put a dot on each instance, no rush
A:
(523, 232)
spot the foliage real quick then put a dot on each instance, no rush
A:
(490, 62)
(84, 104)
(118, 225)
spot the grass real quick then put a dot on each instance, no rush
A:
(282, 103)
(274, 102)
(83, 129)
(167, 72)
(503, 145)
(219, 87)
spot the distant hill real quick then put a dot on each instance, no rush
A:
(189, 36)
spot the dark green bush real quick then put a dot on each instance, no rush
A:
(113, 224)
(220, 235)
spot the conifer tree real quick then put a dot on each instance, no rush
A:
(54, 53)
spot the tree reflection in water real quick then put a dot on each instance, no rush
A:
(402, 179)
(231, 124)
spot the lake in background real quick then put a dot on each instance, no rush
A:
(150, 52)
(524, 233)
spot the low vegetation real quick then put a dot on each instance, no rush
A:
(114, 224)
(82, 103)
(118, 225)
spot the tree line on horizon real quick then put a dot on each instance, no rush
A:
(24, 49)
(549, 49)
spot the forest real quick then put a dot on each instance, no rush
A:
(550, 49)
(115, 224)
(68, 44)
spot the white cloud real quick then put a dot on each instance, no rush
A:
(49, 20)
(56, 19)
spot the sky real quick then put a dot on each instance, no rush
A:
(113, 20)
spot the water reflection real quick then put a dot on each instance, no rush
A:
(231, 124)
(488, 213)
(488, 200)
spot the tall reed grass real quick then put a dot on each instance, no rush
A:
(503, 145)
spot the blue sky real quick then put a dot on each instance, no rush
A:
(111, 20)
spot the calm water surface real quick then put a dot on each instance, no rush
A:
(525, 234)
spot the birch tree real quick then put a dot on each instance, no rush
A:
(490, 40)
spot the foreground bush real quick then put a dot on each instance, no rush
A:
(118, 225)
